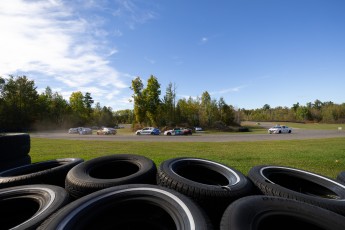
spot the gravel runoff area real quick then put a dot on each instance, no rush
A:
(297, 134)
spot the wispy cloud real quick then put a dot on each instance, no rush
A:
(203, 40)
(177, 60)
(129, 11)
(228, 90)
(151, 61)
(50, 39)
(207, 39)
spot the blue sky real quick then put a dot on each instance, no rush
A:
(250, 52)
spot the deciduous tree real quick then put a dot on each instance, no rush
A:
(19, 103)
(139, 100)
(151, 96)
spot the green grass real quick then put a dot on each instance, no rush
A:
(323, 156)
(315, 126)
(255, 127)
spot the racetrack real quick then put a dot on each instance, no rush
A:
(297, 134)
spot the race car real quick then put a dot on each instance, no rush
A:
(178, 131)
(106, 131)
(148, 131)
(279, 129)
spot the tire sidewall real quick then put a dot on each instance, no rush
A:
(186, 211)
(341, 177)
(258, 175)
(49, 197)
(79, 182)
(81, 172)
(49, 172)
(233, 176)
(248, 212)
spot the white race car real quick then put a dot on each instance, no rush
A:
(148, 130)
(178, 131)
(106, 131)
(279, 129)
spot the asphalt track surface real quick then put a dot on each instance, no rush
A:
(297, 134)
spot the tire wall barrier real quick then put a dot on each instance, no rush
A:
(183, 193)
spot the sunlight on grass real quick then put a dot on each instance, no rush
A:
(326, 157)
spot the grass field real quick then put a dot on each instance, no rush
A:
(325, 156)
(314, 126)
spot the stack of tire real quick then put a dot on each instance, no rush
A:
(14, 150)
(29, 193)
(128, 191)
(281, 198)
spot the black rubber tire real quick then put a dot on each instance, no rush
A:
(213, 185)
(14, 146)
(299, 185)
(135, 206)
(270, 213)
(51, 172)
(26, 207)
(108, 171)
(203, 179)
(341, 177)
(6, 165)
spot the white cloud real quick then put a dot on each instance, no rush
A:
(49, 40)
(117, 33)
(151, 61)
(228, 90)
(129, 11)
(203, 40)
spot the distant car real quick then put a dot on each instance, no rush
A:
(106, 131)
(148, 131)
(279, 129)
(178, 131)
(75, 130)
(85, 131)
(198, 129)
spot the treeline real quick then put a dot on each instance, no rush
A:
(22, 108)
(317, 111)
(150, 109)
(207, 112)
